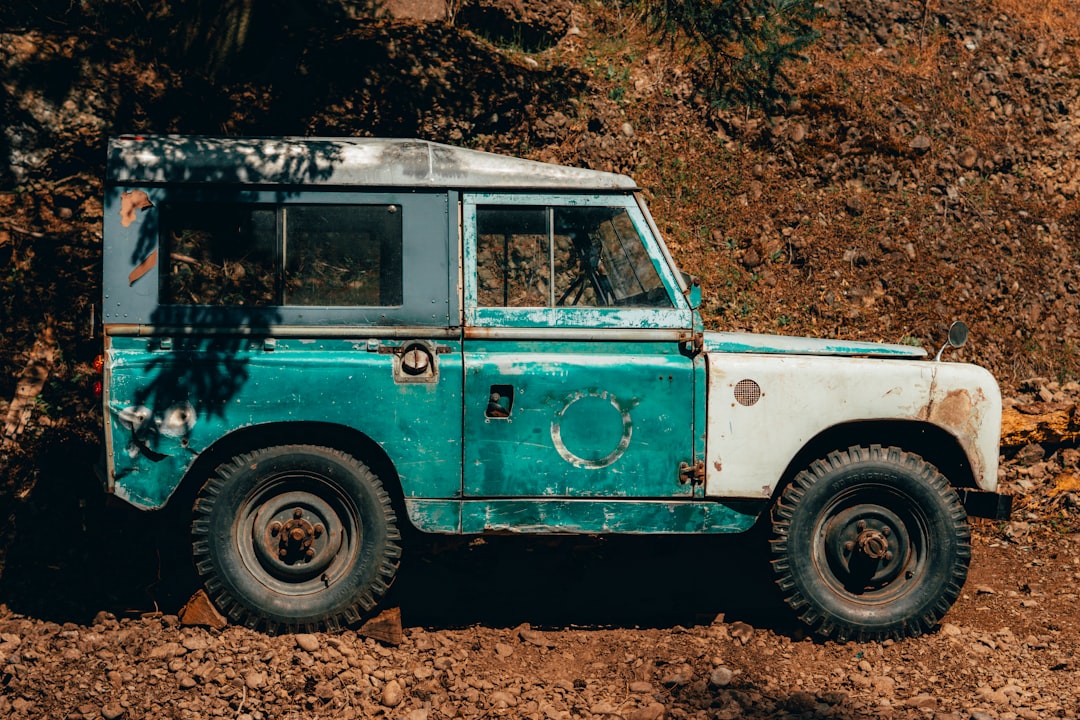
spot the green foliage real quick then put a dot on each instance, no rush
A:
(746, 44)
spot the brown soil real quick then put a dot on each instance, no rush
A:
(928, 172)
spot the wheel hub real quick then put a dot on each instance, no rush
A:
(867, 548)
(874, 544)
(296, 535)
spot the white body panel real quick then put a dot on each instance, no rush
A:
(749, 447)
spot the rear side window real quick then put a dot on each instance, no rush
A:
(243, 254)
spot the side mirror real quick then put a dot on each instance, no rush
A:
(958, 335)
(693, 291)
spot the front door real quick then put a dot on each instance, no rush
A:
(578, 383)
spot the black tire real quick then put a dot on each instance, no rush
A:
(870, 544)
(295, 537)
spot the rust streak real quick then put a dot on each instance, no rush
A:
(131, 201)
(142, 268)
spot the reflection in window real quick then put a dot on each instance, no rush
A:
(561, 257)
(220, 254)
(342, 255)
(263, 255)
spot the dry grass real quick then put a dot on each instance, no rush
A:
(1059, 18)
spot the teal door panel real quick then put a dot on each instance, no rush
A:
(576, 419)
(169, 400)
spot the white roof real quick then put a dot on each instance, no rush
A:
(338, 162)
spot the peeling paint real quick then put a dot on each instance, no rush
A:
(811, 394)
(627, 430)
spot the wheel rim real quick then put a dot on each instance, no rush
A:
(297, 533)
(871, 545)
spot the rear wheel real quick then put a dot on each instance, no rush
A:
(870, 543)
(295, 537)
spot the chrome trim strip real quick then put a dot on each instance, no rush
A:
(580, 334)
(289, 331)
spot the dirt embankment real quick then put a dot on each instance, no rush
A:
(928, 172)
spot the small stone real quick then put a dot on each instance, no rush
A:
(797, 132)
(503, 650)
(990, 695)
(720, 677)
(502, 699)
(640, 686)
(922, 701)
(324, 691)
(255, 680)
(884, 684)
(533, 637)
(1030, 454)
(678, 676)
(950, 630)
(166, 650)
(653, 711)
(187, 682)
(741, 632)
(113, 711)
(920, 143)
(968, 157)
(195, 642)
(854, 204)
(392, 694)
(307, 643)
(627, 129)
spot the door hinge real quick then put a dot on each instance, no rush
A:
(693, 474)
(693, 345)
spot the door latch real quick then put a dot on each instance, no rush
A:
(693, 474)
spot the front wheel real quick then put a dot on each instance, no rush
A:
(295, 537)
(870, 543)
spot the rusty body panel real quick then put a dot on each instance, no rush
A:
(167, 404)
(553, 415)
(751, 444)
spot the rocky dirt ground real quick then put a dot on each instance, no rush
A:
(637, 629)
(928, 171)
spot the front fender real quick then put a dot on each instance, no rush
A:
(763, 409)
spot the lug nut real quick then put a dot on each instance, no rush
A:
(282, 553)
(298, 513)
(861, 525)
(849, 546)
(319, 530)
(309, 554)
(885, 531)
(275, 528)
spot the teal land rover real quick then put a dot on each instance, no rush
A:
(311, 342)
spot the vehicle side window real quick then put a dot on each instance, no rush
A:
(563, 256)
(265, 255)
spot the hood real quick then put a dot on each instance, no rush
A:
(783, 345)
